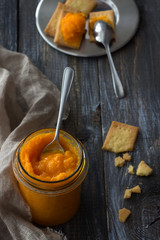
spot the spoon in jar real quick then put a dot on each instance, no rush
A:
(67, 80)
(103, 33)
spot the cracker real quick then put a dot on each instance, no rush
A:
(58, 39)
(85, 6)
(121, 137)
(107, 16)
(51, 27)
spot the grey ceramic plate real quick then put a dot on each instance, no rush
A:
(126, 19)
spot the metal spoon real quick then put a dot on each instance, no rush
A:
(67, 80)
(103, 33)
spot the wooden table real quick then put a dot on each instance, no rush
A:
(93, 108)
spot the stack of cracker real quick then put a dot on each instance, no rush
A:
(53, 28)
(71, 6)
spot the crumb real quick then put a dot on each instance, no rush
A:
(124, 214)
(119, 162)
(127, 193)
(121, 137)
(143, 169)
(136, 189)
(131, 169)
(126, 157)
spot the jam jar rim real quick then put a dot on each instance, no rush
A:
(53, 191)
(51, 182)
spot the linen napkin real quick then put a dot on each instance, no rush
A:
(28, 102)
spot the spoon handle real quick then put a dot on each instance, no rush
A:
(67, 80)
(117, 85)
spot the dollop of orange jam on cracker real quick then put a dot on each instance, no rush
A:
(50, 166)
(93, 20)
(73, 26)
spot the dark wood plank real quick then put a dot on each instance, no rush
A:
(139, 70)
(83, 122)
(85, 114)
(9, 24)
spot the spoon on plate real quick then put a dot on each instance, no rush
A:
(103, 33)
(67, 80)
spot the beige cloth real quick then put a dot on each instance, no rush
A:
(28, 102)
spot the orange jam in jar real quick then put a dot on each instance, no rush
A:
(50, 183)
(73, 26)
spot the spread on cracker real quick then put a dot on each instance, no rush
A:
(124, 214)
(70, 29)
(121, 137)
(143, 169)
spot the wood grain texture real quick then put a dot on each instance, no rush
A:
(9, 24)
(93, 107)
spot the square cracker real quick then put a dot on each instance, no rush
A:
(85, 6)
(51, 27)
(107, 16)
(121, 137)
(58, 39)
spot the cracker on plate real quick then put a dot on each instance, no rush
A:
(107, 16)
(121, 137)
(59, 39)
(85, 6)
(51, 27)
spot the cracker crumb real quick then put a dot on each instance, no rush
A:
(136, 189)
(143, 169)
(131, 169)
(124, 214)
(127, 193)
(119, 162)
(126, 157)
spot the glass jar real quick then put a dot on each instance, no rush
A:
(51, 203)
